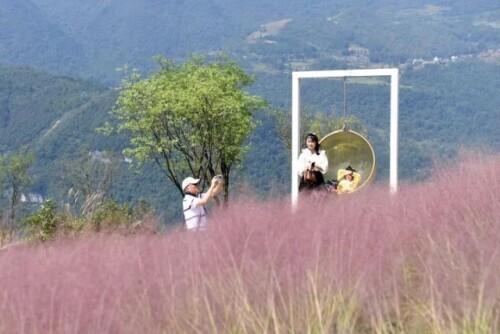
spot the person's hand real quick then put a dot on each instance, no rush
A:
(217, 180)
(213, 183)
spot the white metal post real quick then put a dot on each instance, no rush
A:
(295, 136)
(393, 169)
(394, 109)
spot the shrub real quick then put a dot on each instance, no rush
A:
(43, 224)
(112, 215)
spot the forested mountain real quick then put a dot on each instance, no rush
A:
(27, 37)
(55, 117)
(92, 38)
(448, 54)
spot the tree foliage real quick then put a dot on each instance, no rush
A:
(192, 119)
(43, 224)
(18, 177)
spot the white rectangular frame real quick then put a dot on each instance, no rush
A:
(394, 108)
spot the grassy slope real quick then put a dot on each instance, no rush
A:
(422, 260)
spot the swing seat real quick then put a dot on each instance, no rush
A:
(346, 147)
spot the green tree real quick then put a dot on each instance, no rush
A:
(192, 119)
(43, 224)
(17, 179)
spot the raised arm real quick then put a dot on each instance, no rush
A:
(215, 188)
(356, 177)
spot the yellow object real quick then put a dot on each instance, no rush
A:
(345, 185)
(348, 148)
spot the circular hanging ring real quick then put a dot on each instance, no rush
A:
(348, 148)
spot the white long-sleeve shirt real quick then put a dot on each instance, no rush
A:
(307, 157)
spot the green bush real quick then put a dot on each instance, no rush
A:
(43, 225)
(112, 215)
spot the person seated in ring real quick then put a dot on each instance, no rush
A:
(348, 180)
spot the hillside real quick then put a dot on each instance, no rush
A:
(448, 54)
(28, 38)
(93, 38)
(36, 106)
(55, 117)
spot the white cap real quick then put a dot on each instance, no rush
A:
(189, 180)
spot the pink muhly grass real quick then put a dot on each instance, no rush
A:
(422, 260)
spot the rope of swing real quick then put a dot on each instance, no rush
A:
(344, 127)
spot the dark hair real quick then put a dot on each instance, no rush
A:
(315, 139)
(351, 169)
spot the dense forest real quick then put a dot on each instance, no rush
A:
(58, 62)
(91, 39)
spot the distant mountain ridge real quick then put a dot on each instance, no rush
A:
(28, 38)
(92, 38)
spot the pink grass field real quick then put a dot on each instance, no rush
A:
(424, 260)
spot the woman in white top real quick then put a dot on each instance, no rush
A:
(315, 160)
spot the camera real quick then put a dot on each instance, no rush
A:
(218, 179)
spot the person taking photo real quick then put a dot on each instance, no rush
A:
(194, 201)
